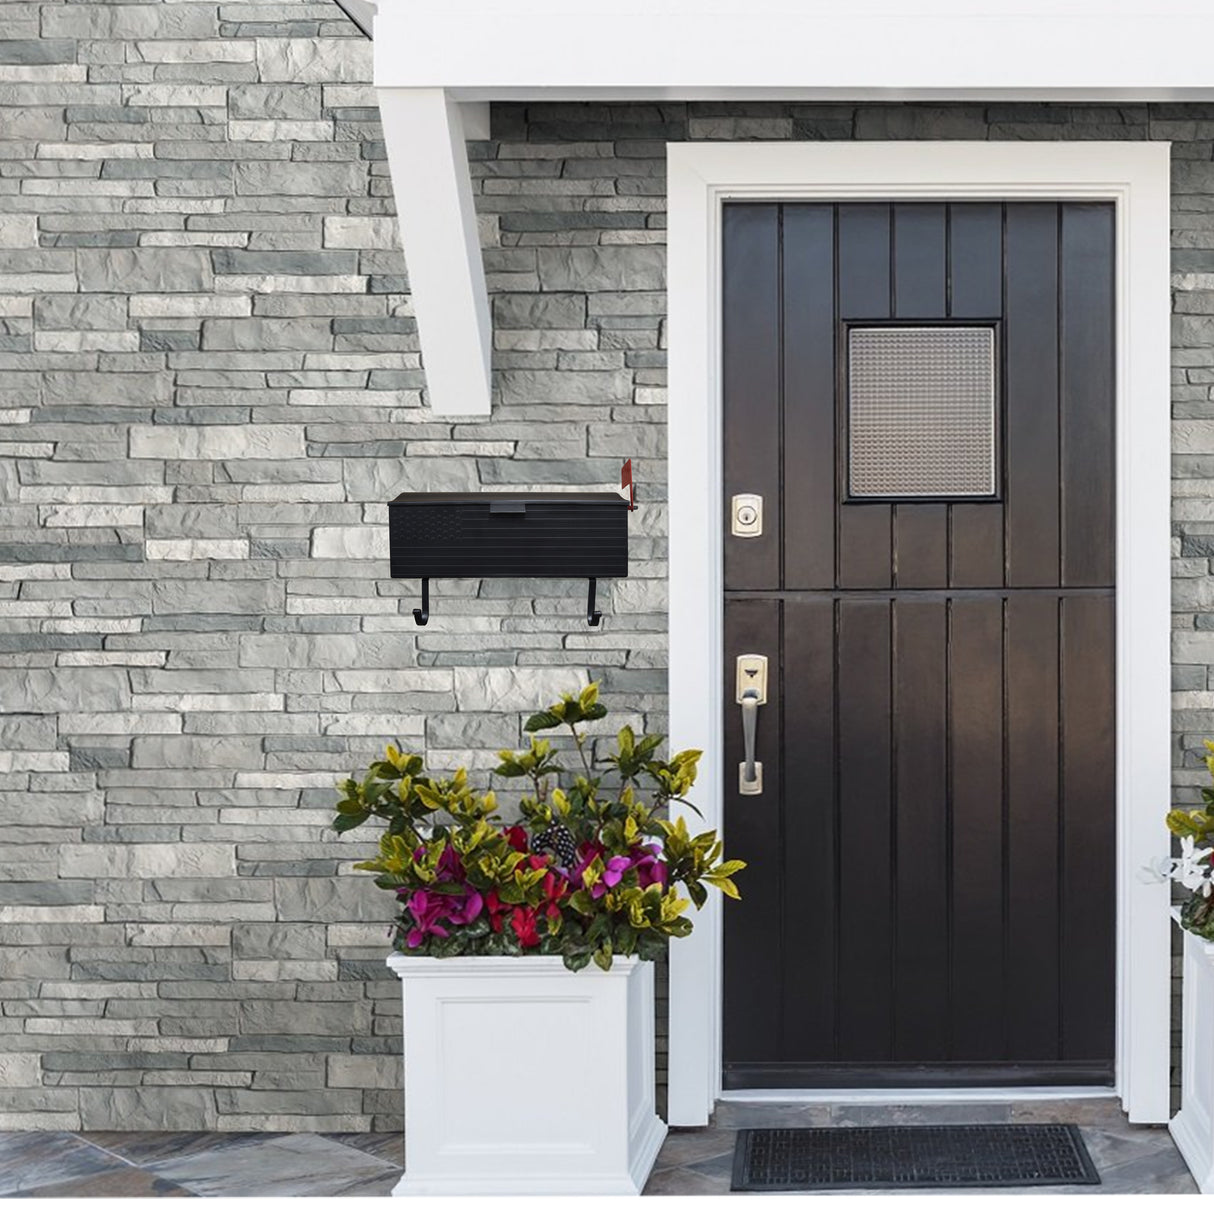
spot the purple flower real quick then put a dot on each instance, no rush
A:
(426, 909)
(650, 869)
(613, 871)
(449, 866)
(644, 859)
(617, 866)
(430, 910)
(473, 904)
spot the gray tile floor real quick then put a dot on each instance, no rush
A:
(121, 1164)
(1131, 1159)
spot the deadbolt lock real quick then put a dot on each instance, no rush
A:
(747, 514)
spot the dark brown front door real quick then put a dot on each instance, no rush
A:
(922, 396)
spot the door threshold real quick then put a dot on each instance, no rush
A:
(911, 1095)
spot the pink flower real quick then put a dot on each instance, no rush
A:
(616, 867)
(429, 910)
(450, 867)
(650, 870)
(473, 905)
(613, 869)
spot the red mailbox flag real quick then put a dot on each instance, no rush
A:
(626, 483)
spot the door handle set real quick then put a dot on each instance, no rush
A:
(746, 521)
(751, 691)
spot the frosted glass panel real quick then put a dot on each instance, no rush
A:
(921, 412)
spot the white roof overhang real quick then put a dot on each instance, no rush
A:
(432, 55)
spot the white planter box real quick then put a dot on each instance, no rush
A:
(1193, 1126)
(521, 1077)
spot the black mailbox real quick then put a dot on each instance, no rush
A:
(433, 535)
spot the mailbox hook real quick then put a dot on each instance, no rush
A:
(422, 614)
(592, 617)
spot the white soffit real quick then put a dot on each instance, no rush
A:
(815, 49)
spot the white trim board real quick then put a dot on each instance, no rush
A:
(425, 137)
(900, 1096)
(1135, 176)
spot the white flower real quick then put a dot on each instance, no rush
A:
(1193, 869)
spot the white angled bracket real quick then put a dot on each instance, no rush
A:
(424, 133)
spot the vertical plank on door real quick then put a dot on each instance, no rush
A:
(921, 799)
(976, 548)
(975, 290)
(920, 263)
(1031, 406)
(1088, 906)
(754, 938)
(1087, 371)
(976, 1007)
(921, 545)
(808, 697)
(920, 293)
(810, 498)
(975, 256)
(751, 385)
(864, 260)
(865, 546)
(1032, 827)
(865, 832)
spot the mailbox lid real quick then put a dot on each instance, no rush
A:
(508, 535)
(506, 496)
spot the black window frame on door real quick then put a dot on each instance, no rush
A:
(848, 325)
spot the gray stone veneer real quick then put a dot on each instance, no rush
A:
(209, 387)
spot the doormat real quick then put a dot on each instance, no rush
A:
(910, 1157)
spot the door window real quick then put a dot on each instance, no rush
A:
(921, 415)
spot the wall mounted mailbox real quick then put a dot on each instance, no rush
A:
(560, 535)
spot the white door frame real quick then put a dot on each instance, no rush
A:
(1135, 176)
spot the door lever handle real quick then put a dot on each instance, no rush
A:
(750, 772)
(751, 692)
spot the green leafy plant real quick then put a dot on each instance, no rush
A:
(1193, 869)
(594, 867)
